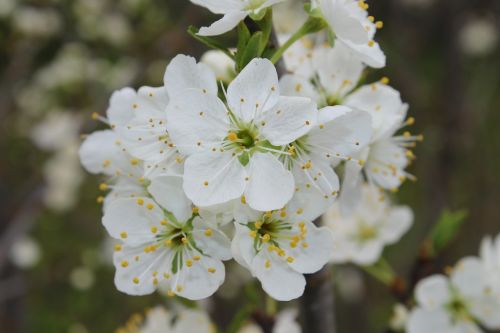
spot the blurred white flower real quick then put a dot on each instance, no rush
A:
(25, 252)
(455, 304)
(289, 16)
(7, 7)
(286, 322)
(350, 284)
(82, 278)
(37, 22)
(479, 36)
(160, 320)
(490, 257)
(57, 131)
(220, 63)
(399, 318)
(374, 224)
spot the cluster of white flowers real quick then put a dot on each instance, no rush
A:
(464, 301)
(264, 154)
(160, 320)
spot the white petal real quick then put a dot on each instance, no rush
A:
(372, 56)
(132, 263)
(317, 254)
(278, 279)
(386, 163)
(486, 310)
(223, 25)
(383, 103)
(220, 6)
(242, 246)
(197, 121)
(291, 118)
(215, 244)
(397, 223)
(433, 292)
(338, 69)
(184, 73)
(212, 178)
(345, 25)
(367, 253)
(168, 192)
(192, 321)
(426, 321)
(131, 220)
(342, 136)
(286, 322)
(467, 277)
(295, 85)
(270, 185)
(201, 280)
(124, 188)
(121, 108)
(350, 191)
(254, 90)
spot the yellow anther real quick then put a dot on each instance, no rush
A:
(321, 126)
(205, 183)
(258, 225)
(266, 238)
(268, 264)
(208, 232)
(103, 186)
(293, 244)
(168, 242)
(196, 258)
(253, 233)
(268, 214)
(124, 263)
(155, 282)
(371, 43)
(379, 24)
(184, 240)
(299, 211)
(283, 213)
(371, 18)
(298, 87)
(140, 201)
(243, 200)
(195, 210)
(394, 190)
(189, 263)
(166, 275)
(135, 280)
(281, 252)
(410, 121)
(305, 245)
(100, 200)
(154, 230)
(232, 136)
(134, 161)
(361, 162)
(384, 80)
(106, 163)
(290, 259)
(211, 270)
(170, 293)
(141, 179)
(409, 154)
(307, 165)
(150, 206)
(124, 235)
(179, 288)
(95, 116)
(118, 248)
(164, 222)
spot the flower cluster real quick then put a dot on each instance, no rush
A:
(262, 154)
(460, 302)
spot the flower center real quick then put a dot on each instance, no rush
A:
(366, 232)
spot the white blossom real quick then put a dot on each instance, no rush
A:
(455, 304)
(278, 250)
(354, 28)
(221, 64)
(160, 247)
(286, 322)
(232, 151)
(374, 224)
(25, 252)
(234, 12)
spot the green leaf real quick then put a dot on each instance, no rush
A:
(251, 50)
(446, 229)
(209, 41)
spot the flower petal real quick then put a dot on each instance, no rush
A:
(197, 121)
(121, 106)
(223, 25)
(184, 73)
(295, 85)
(424, 320)
(254, 90)
(168, 192)
(214, 243)
(397, 224)
(213, 177)
(220, 6)
(270, 185)
(291, 118)
(278, 279)
(433, 292)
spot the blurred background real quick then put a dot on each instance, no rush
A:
(59, 62)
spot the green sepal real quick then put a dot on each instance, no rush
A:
(251, 50)
(244, 158)
(209, 41)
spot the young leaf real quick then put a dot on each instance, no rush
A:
(446, 229)
(251, 50)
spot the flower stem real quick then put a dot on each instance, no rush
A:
(313, 24)
(271, 306)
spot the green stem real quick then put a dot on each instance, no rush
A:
(271, 306)
(313, 24)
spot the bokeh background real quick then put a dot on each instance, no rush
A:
(59, 62)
